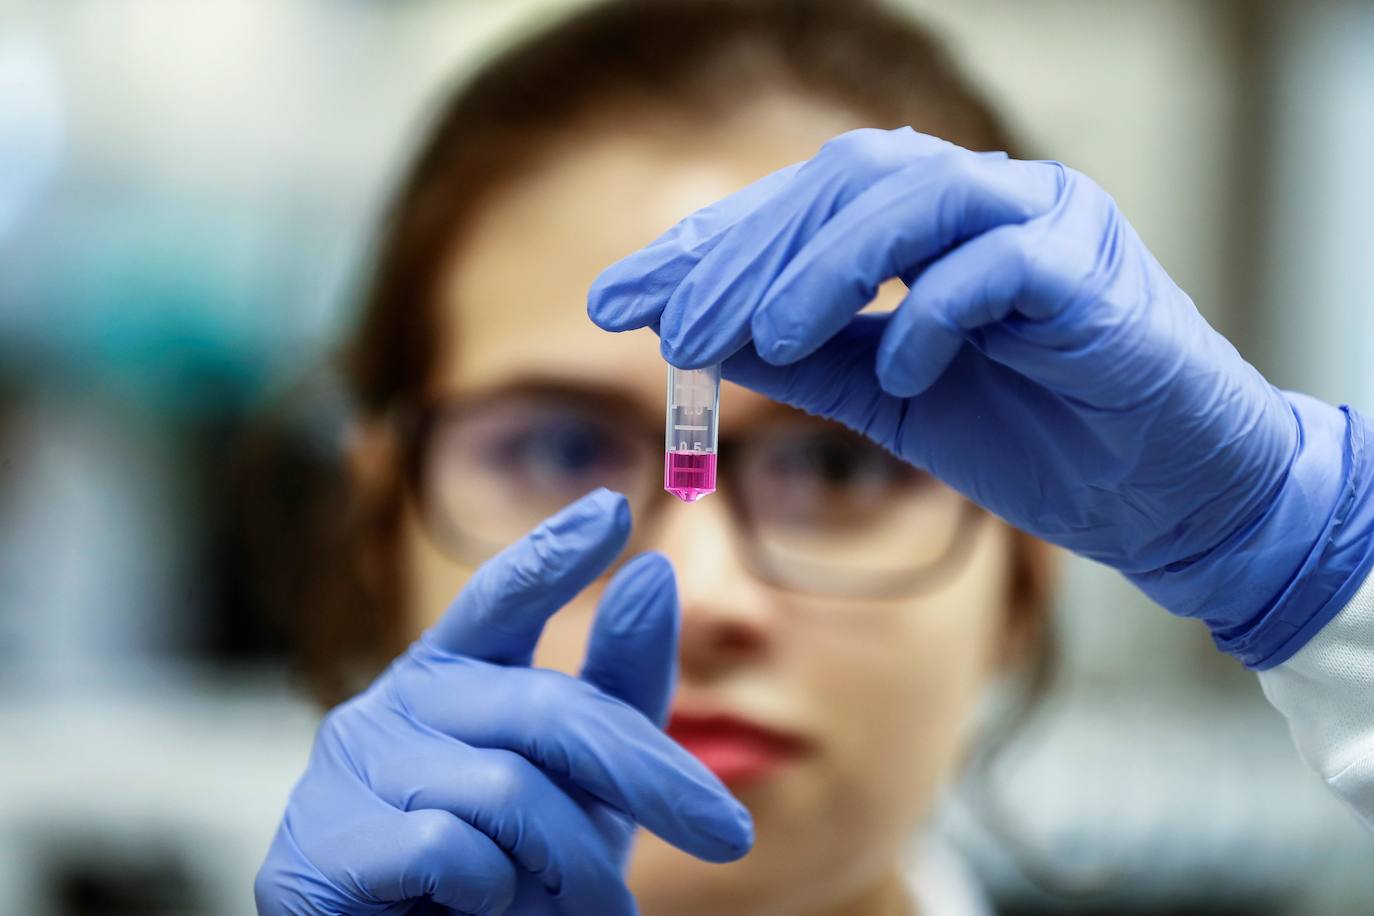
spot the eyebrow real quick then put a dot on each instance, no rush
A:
(603, 396)
(555, 387)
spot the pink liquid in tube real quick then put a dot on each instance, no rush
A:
(689, 440)
(689, 475)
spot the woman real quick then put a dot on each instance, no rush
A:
(829, 675)
(841, 612)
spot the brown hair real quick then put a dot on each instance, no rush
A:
(689, 57)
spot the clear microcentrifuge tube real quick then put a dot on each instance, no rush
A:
(689, 447)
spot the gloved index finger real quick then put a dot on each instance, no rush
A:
(576, 732)
(893, 229)
(707, 318)
(499, 615)
(631, 293)
(632, 649)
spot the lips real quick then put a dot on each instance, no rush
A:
(738, 751)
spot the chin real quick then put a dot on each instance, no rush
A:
(819, 840)
(668, 882)
(795, 861)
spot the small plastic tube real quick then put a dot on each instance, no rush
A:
(689, 447)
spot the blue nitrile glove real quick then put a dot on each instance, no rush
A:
(1042, 363)
(464, 778)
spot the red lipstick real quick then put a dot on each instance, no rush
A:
(738, 751)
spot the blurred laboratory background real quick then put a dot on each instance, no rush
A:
(187, 196)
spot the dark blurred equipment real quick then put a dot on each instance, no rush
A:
(106, 876)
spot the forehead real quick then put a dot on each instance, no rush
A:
(513, 294)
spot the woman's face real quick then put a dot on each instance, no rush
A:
(875, 695)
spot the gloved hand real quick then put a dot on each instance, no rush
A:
(464, 778)
(1042, 363)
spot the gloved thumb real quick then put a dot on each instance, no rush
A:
(632, 651)
(837, 381)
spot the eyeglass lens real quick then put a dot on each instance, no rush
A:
(823, 508)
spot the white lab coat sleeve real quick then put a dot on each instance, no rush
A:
(1326, 691)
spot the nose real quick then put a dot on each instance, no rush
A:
(726, 616)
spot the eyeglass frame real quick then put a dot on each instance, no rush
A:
(414, 427)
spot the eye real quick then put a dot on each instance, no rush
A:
(833, 459)
(556, 451)
(814, 475)
(488, 471)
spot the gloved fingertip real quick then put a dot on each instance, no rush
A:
(613, 315)
(650, 570)
(732, 830)
(600, 513)
(599, 298)
(745, 821)
(644, 587)
(781, 351)
(895, 379)
(778, 341)
(683, 354)
(616, 304)
(599, 317)
(607, 502)
(690, 361)
(602, 498)
(632, 647)
(916, 347)
(684, 341)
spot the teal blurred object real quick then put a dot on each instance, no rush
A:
(179, 310)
